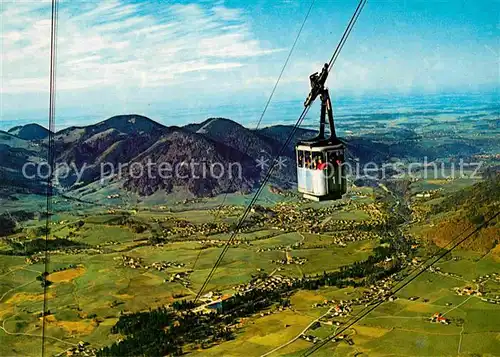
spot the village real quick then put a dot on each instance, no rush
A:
(288, 259)
(137, 263)
(285, 218)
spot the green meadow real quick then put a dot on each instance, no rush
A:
(92, 287)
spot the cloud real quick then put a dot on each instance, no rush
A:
(227, 14)
(114, 44)
(269, 81)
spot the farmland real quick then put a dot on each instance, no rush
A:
(117, 261)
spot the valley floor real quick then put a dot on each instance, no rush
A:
(124, 261)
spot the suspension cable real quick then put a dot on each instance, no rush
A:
(284, 146)
(50, 157)
(456, 242)
(263, 112)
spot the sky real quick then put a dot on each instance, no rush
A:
(124, 56)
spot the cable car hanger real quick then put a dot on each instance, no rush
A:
(318, 89)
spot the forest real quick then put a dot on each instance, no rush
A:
(465, 211)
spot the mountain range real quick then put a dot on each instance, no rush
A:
(135, 140)
(30, 132)
(15, 152)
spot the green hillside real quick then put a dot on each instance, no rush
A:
(464, 211)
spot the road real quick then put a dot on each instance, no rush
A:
(300, 334)
(456, 307)
(5, 320)
(15, 288)
(31, 334)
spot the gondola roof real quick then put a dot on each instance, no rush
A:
(315, 143)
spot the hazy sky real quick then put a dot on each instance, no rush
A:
(129, 56)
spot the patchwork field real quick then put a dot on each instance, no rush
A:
(110, 267)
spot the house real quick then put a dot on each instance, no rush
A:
(443, 320)
(208, 296)
(440, 319)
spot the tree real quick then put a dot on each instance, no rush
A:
(37, 232)
(7, 225)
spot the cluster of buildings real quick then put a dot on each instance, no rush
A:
(310, 338)
(181, 277)
(437, 270)
(495, 277)
(316, 339)
(468, 291)
(71, 251)
(356, 236)
(281, 247)
(339, 309)
(492, 301)
(439, 319)
(381, 290)
(342, 224)
(81, 349)
(217, 243)
(429, 193)
(161, 266)
(267, 283)
(484, 278)
(486, 156)
(109, 242)
(290, 217)
(285, 217)
(137, 263)
(211, 301)
(269, 249)
(270, 312)
(290, 260)
(131, 262)
(225, 210)
(35, 258)
(185, 229)
(210, 297)
(345, 338)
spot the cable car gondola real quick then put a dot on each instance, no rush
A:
(320, 169)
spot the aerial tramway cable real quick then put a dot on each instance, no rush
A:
(346, 34)
(50, 154)
(334, 57)
(456, 242)
(265, 108)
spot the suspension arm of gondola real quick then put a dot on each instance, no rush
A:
(326, 110)
(318, 89)
(329, 110)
